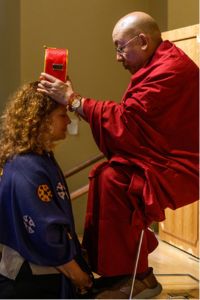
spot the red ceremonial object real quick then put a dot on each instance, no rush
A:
(55, 62)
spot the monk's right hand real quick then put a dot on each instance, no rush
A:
(55, 88)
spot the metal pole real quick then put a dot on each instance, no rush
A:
(136, 264)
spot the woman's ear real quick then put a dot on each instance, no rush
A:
(144, 41)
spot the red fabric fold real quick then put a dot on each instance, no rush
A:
(155, 128)
(151, 142)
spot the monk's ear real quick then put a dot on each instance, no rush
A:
(144, 41)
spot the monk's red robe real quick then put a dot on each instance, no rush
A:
(151, 142)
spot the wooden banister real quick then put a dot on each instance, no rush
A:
(84, 189)
(83, 165)
(79, 192)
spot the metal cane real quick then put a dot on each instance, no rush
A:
(136, 264)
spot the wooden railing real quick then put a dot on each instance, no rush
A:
(84, 189)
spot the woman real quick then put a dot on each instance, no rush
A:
(41, 255)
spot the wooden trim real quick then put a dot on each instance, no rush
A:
(83, 165)
(79, 192)
(182, 33)
(83, 190)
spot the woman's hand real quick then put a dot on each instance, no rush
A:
(58, 90)
(79, 278)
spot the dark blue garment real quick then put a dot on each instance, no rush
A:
(27, 285)
(36, 216)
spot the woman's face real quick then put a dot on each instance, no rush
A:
(59, 120)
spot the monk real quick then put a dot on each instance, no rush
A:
(150, 140)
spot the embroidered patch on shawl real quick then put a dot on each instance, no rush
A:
(44, 193)
(29, 224)
(61, 190)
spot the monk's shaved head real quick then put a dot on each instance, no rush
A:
(136, 37)
(135, 23)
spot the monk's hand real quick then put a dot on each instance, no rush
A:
(58, 90)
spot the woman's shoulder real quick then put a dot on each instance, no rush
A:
(25, 160)
(29, 163)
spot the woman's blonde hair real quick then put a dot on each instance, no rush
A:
(25, 126)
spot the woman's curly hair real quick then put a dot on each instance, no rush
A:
(25, 125)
